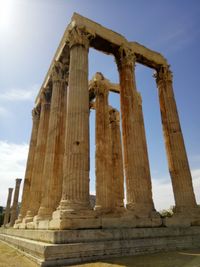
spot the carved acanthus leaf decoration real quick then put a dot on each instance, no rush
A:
(79, 36)
(46, 95)
(36, 113)
(114, 115)
(100, 88)
(126, 57)
(59, 71)
(163, 74)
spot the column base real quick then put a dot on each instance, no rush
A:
(142, 210)
(19, 220)
(82, 219)
(22, 225)
(127, 219)
(43, 214)
(16, 225)
(183, 217)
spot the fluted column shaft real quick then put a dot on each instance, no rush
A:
(29, 165)
(103, 168)
(176, 153)
(117, 160)
(53, 165)
(137, 175)
(75, 194)
(144, 144)
(37, 176)
(14, 208)
(7, 211)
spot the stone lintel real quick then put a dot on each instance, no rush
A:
(106, 41)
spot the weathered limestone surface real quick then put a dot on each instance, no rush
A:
(29, 166)
(53, 164)
(7, 211)
(37, 180)
(117, 160)
(103, 160)
(58, 248)
(139, 195)
(57, 175)
(75, 191)
(14, 208)
(177, 157)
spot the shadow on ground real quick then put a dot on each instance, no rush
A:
(189, 258)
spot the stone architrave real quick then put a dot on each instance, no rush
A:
(75, 191)
(176, 153)
(103, 167)
(139, 194)
(7, 211)
(29, 165)
(37, 180)
(117, 159)
(14, 208)
(53, 164)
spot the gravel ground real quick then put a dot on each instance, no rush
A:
(10, 257)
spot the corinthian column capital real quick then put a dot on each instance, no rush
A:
(36, 113)
(79, 36)
(100, 89)
(59, 71)
(46, 96)
(114, 115)
(125, 57)
(163, 74)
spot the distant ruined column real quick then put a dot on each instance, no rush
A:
(7, 211)
(75, 193)
(29, 165)
(117, 159)
(53, 164)
(37, 180)
(139, 194)
(14, 208)
(103, 167)
(176, 153)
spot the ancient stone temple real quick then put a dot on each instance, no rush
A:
(56, 211)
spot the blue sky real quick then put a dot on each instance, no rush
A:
(30, 32)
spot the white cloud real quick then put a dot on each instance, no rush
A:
(13, 161)
(3, 112)
(196, 183)
(163, 193)
(19, 94)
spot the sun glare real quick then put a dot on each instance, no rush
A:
(6, 13)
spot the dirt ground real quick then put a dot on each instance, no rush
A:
(10, 257)
(169, 259)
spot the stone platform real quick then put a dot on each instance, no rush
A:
(58, 248)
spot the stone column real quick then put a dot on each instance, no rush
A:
(29, 165)
(177, 157)
(53, 164)
(7, 211)
(117, 160)
(37, 180)
(75, 193)
(139, 195)
(14, 208)
(104, 178)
